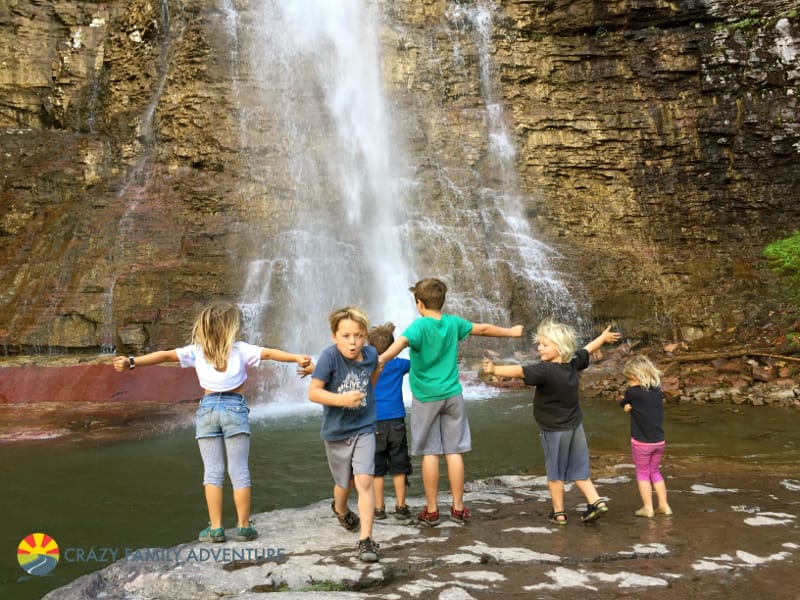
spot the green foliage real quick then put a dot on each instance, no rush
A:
(793, 340)
(325, 586)
(783, 258)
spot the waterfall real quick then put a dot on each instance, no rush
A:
(335, 216)
(315, 82)
(510, 245)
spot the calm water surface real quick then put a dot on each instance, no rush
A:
(149, 493)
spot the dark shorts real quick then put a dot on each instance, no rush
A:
(391, 448)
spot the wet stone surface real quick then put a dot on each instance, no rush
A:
(735, 533)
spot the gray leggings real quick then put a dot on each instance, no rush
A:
(213, 451)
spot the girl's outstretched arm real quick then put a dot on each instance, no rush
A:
(302, 360)
(123, 363)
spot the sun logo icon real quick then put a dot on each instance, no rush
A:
(38, 554)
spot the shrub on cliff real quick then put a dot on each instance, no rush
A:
(783, 258)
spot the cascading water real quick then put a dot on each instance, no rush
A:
(315, 85)
(126, 245)
(501, 229)
(336, 218)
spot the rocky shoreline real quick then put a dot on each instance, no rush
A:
(734, 534)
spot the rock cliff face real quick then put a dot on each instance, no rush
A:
(651, 146)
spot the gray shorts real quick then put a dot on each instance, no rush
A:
(439, 427)
(566, 454)
(353, 456)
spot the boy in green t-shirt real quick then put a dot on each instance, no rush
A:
(439, 424)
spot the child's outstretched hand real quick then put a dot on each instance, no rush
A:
(610, 336)
(517, 331)
(305, 370)
(121, 363)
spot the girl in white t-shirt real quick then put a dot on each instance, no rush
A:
(222, 424)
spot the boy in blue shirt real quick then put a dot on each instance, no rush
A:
(342, 381)
(391, 446)
(439, 423)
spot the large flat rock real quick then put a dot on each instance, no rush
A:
(734, 534)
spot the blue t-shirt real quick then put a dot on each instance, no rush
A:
(433, 349)
(341, 375)
(389, 389)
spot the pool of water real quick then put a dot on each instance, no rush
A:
(149, 493)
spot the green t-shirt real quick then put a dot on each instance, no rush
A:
(433, 350)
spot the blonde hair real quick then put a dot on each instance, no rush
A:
(563, 337)
(642, 370)
(349, 312)
(216, 330)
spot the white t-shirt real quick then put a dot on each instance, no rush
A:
(242, 355)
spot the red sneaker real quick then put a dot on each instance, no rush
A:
(429, 518)
(459, 516)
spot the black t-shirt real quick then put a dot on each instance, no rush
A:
(555, 400)
(647, 415)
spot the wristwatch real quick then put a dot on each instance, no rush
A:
(131, 363)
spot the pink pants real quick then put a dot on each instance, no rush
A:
(646, 459)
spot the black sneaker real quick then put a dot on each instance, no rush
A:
(368, 550)
(402, 512)
(349, 520)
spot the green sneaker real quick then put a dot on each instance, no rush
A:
(246, 534)
(212, 535)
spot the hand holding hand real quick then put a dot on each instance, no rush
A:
(488, 366)
(305, 370)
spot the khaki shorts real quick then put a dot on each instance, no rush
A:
(353, 456)
(439, 427)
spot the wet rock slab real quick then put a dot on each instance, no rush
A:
(734, 534)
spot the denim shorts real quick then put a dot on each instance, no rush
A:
(222, 415)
